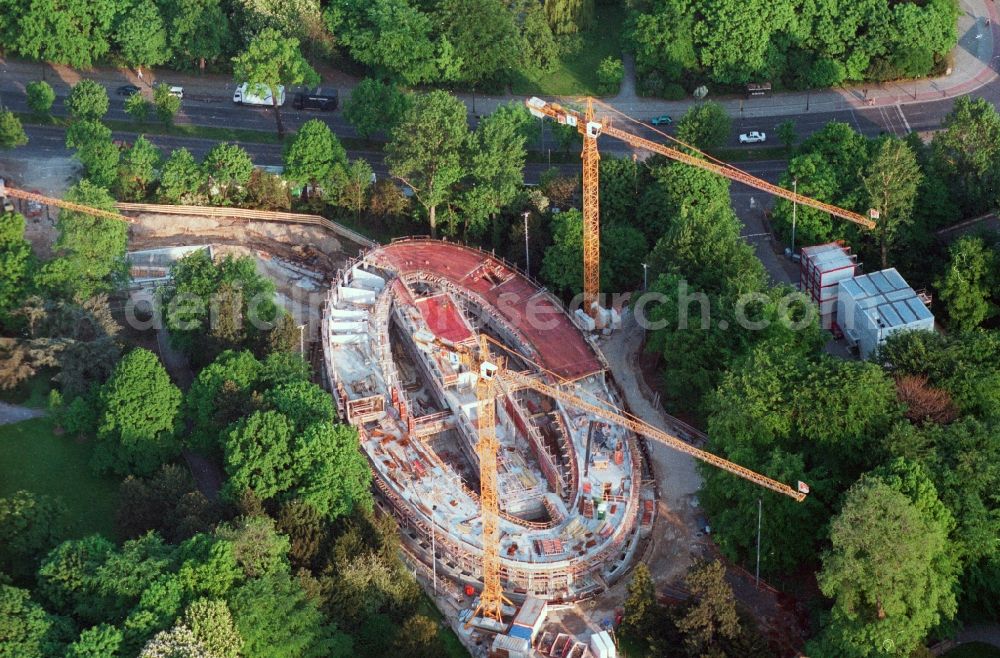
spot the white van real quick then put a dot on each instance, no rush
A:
(244, 96)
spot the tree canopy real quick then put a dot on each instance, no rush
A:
(272, 60)
(139, 409)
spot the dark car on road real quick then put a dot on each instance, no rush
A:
(662, 120)
(127, 90)
(325, 100)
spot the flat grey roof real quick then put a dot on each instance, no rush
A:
(887, 298)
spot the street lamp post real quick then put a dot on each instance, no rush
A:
(434, 561)
(759, 513)
(527, 256)
(795, 206)
(302, 339)
(645, 270)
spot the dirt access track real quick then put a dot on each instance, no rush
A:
(309, 240)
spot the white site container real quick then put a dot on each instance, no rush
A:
(872, 307)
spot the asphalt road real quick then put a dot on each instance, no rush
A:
(220, 111)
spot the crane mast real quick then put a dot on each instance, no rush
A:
(591, 215)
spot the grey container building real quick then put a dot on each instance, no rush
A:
(871, 307)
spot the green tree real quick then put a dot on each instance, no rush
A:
(101, 641)
(199, 30)
(704, 126)
(66, 577)
(966, 152)
(90, 250)
(31, 525)
(392, 37)
(315, 156)
(891, 181)
(258, 455)
(141, 35)
(86, 131)
(276, 620)
(623, 249)
(610, 73)
(137, 107)
(11, 133)
(138, 169)
(711, 615)
(17, 264)
(418, 637)
(787, 135)
(177, 642)
(484, 35)
(331, 473)
(212, 624)
(540, 48)
(167, 502)
(496, 165)
(426, 148)
(891, 570)
(968, 284)
(562, 265)
(375, 106)
(25, 627)
(306, 530)
(357, 183)
(302, 402)
(165, 103)
(40, 97)
(738, 61)
(181, 178)
(139, 415)
(640, 604)
(74, 32)
(227, 168)
(220, 395)
(270, 61)
(87, 100)
(569, 16)
(100, 162)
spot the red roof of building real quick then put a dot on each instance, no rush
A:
(444, 318)
(559, 346)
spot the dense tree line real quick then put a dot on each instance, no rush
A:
(287, 560)
(708, 623)
(443, 41)
(794, 43)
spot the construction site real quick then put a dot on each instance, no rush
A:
(495, 433)
(572, 503)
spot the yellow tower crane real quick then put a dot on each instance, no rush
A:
(493, 375)
(7, 191)
(591, 127)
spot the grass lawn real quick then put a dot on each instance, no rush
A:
(973, 650)
(33, 458)
(576, 72)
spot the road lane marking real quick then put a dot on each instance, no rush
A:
(899, 108)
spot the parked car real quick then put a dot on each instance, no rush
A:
(127, 90)
(752, 137)
(662, 120)
(173, 89)
(325, 100)
(244, 95)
